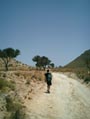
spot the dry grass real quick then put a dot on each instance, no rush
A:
(26, 83)
(33, 75)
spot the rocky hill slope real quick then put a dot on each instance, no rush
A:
(83, 61)
(15, 88)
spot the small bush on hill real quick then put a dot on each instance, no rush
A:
(15, 108)
(4, 84)
(87, 79)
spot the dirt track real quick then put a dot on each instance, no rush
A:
(68, 100)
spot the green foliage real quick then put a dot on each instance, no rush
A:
(52, 65)
(17, 115)
(83, 61)
(87, 79)
(86, 58)
(12, 105)
(80, 66)
(7, 54)
(4, 85)
(41, 61)
(15, 108)
(36, 58)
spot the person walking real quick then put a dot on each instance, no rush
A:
(48, 80)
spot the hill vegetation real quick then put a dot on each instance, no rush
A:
(80, 66)
(15, 88)
(83, 61)
(19, 83)
(7, 54)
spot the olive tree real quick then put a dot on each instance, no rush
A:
(7, 54)
(41, 62)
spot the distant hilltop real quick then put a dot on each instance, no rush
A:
(81, 62)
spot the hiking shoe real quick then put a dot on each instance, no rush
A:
(47, 91)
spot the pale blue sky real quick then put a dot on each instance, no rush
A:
(58, 29)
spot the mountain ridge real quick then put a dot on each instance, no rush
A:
(81, 61)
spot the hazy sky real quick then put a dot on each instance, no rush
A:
(57, 29)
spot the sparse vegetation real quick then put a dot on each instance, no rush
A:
(27, 77)
(7, 54)
(14, 108)
(28, 82)
(6, 85)
(80, 66)
(83, 61)
(42, 62)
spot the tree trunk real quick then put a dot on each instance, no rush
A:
(6, 67)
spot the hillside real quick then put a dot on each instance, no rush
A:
(16, 85)
(80, 66)
(14, 65)
(22, 95)
(15, 88)
(68, 99)
(83, 61)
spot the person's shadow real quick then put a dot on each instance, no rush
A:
(47, 92)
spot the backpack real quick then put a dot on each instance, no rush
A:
(49, 76)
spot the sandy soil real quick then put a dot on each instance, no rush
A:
(69, 99)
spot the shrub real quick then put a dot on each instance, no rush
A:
(15, 108)
(4, 84)
(28, 82)
(18, 114)
(87, 79)
(12, 105)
